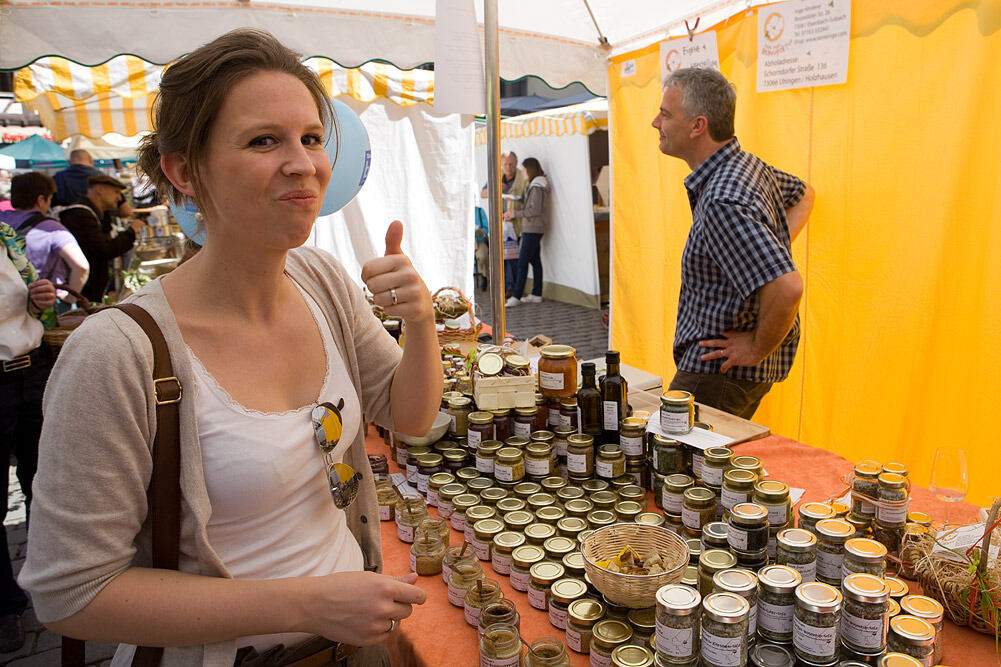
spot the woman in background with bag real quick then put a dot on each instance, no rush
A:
(281, 364)
(534, 221)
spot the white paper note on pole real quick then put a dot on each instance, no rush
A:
(803, 43)
(459, 83)
(700, 51)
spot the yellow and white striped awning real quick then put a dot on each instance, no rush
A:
(116, 96)
(579, 119)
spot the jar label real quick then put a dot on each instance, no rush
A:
(519, 581)
(565, 420)
(457, 596)
(472, 615)
(549, 380)
(484, 464)
(773, 545)
(730, 498)
(385, 512)
(829, 565)
(411, 474)
(467, 532)
(444, 508)
(866, 508)
(711, 475)
(537, 598)
(577, 463)
(413, 562)
(422, 482)
(561, 447)
(868, 634)
(675, 422)
(697, 458)
(752, 619)
(604, 469)
(503, 473)
(458, 521)
(482, 549)
(574, 640)
(611, 415)
(580, 422)
(892, 514)
(598, 660)
(451, 424)
(778, 514)
(432, 497)
(558, 617)
(673, 503)
(501, 562)
(675, 642)
(820, 642)
(776, 618)
(446, 571)
(514, 661)
(473, 438)
(806, 570)
(523, 429)
(401, 456)
(405, 533)
(632, 446)
(538, 466)
(736, 538)
(722, 651)
(691, 518)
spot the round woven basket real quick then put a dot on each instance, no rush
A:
(459, 335)
(633, 590)
(55, 338)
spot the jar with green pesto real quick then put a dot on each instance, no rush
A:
(582, 615)
(711, 562)
(667, 455)
(677, 412)
(715, 462)
(724, 641)
(673, 496)
(522, 560)
(610, 462)
(677, 624)
(893, 500)
(738, 486)
(777, 602)
(541, 578)
(815, 626)
(505, 542)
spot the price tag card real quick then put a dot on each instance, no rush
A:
(803, 43)
(960, 539)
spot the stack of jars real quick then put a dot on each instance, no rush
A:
(880, 500)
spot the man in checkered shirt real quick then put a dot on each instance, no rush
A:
(738, 326)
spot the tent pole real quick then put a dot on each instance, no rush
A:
(494, 217)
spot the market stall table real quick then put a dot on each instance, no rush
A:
(436, 635)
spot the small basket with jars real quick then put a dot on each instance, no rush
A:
(629, 562)
(449, 305)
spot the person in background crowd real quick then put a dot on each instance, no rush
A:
(25, 312)
(71, 184)
(50, 247)
(513, 184)
(738, 322)
(83, 220)
(273, 345)
(534, 221)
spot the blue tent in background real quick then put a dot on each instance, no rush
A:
(36, 151)
(578, 98)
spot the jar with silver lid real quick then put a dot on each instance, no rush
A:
(777, 602)
(715, 462)
(831, 537)
(745, 584)
(771, 655)
(714, 535)
(930, 610)
(864, 556)
(774, 497)
(748, 528)
(738, 485)
(797, 549)
(912, 636)
(815, 626)
(811, 513)
(673, 494)
(724, 640)
(864, 615)
(678, 627)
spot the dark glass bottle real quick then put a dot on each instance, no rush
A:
(589, 403)
(614, 398)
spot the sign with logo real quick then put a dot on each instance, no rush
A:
(699, 51)
(803, 43)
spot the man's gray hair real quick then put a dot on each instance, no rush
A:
(706, 92)
(512, 154)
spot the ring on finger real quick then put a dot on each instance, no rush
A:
(392, 295)
(392, 625)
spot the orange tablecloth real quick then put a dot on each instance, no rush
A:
(436, 635)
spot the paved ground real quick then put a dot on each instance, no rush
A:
(41, 647)
(584, 328)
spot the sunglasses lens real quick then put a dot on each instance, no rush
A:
(344, 483)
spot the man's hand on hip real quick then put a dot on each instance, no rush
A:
(736, 348)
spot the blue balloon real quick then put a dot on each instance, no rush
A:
(185, 217)
(350, 155)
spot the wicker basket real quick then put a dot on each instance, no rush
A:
(55, 338)
(460, 335)
(633, 590)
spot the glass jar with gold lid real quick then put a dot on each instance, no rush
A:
(673, 495)
(542, 575)
(618, 483)
(485, 456)
(504, 543)
(460, 504)
(446, 494)
(427, 465)
(518, 520)
(747, 462)
(864, 556)
(831, 537)
(599, 518)
(811, 513)
(604, 500)
(608, 635)
(553, 484)
(482, 593)
(562, 593)
(475, 514)
(510, 504)
(643, 621)
(571, 526)
(580, 455)
(568, 493)
(544, 436)
(526, 489)
(699, 508)
(632, 655)
(650, 518)
(797, 549)
(509, 465)
(502, 423)
(557, 371)
(550, 514)
(627, 510)
(715, 462)
(573, 563)
(538, 533)
(457, 459)
(459, 408)
(774, 497)
(413, 453)
(677, 412)
(480, 429)
(930, 610)
(562, 433)
(537, 501)
(632, 437)
(633, 492)
(912, 636)
(865, 488)
(557, 547)
(435, 482)
(578, 507)
(484, 532)
(667, 455)
(539, 462)
(893, 500)
(493, 494)
(711, 562)
(478, 485)
(522, 560)
(524, 421)
(582, 614)
(738, 485)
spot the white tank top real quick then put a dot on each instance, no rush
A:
(272, 514)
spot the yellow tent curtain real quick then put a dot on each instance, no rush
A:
(115, 96)
(548, 124)
(899, 353)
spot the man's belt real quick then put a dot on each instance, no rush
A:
(34, 357)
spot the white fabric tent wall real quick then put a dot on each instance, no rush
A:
(418, 175)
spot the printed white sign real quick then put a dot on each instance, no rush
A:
(698, 437)
(460, 84)
(700, 51)
(803, 43)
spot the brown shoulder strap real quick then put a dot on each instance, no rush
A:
(165, 485)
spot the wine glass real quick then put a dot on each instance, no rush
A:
(949, 481)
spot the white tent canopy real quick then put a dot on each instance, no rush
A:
(556, 40)
(558, 138)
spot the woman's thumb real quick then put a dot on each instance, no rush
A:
(394, 238)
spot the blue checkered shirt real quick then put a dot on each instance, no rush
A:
(739, 241)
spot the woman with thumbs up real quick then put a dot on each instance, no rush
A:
(265, 336)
